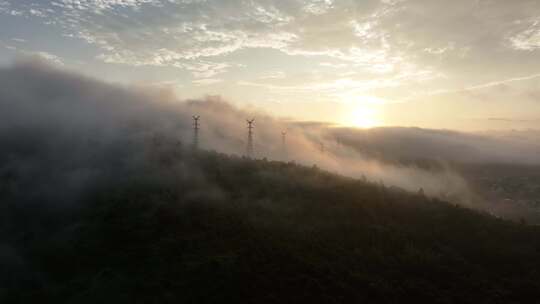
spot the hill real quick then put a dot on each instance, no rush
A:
(211, 228)
(101, 203)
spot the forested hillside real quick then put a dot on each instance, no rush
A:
(186, 227)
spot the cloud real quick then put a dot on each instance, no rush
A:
(58, 127)
(101, 5)
(343, 89)
(64, 131)
(421, 45)
(204, 29)
(273, 75)
(207, 81)
(394, 144)
(47, 56)
(4, 6)
(483, 86)
(318, 7)
(504, 119)
(528, 39)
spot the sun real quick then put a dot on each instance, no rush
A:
(364, 116)
(362, 111)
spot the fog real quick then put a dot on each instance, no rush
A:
(394, 143)
(61, 132)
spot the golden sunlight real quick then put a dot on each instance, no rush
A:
(364, 116)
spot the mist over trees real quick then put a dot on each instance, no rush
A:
(102, 199)
(122, 182)
(61, 129)
(52, 117)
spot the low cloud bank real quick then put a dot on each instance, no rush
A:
(61, 132)
(509, 147)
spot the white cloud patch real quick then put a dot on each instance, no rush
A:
(48, 57)
(37, 13)
(317, 7)
(413, 45)
(102, 5)
(529, 39)
(4, 6)
(41, 55)
(273, 75)
(207, 81)
(186, 33)
(342, 89)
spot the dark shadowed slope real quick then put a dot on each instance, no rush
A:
(260, 232)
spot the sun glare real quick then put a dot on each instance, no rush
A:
(364, 116)
(362, 111)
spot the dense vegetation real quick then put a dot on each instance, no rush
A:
(211, 228)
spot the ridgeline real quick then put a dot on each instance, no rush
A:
(212, 228)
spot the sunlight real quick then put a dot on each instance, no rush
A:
(364, 117)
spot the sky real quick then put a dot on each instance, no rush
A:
(463, 64)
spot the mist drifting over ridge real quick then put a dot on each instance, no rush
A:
(508, 147)
(61, 130)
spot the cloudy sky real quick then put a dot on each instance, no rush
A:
(461, 64)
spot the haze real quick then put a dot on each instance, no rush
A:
(464, 65)
(269, 151)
